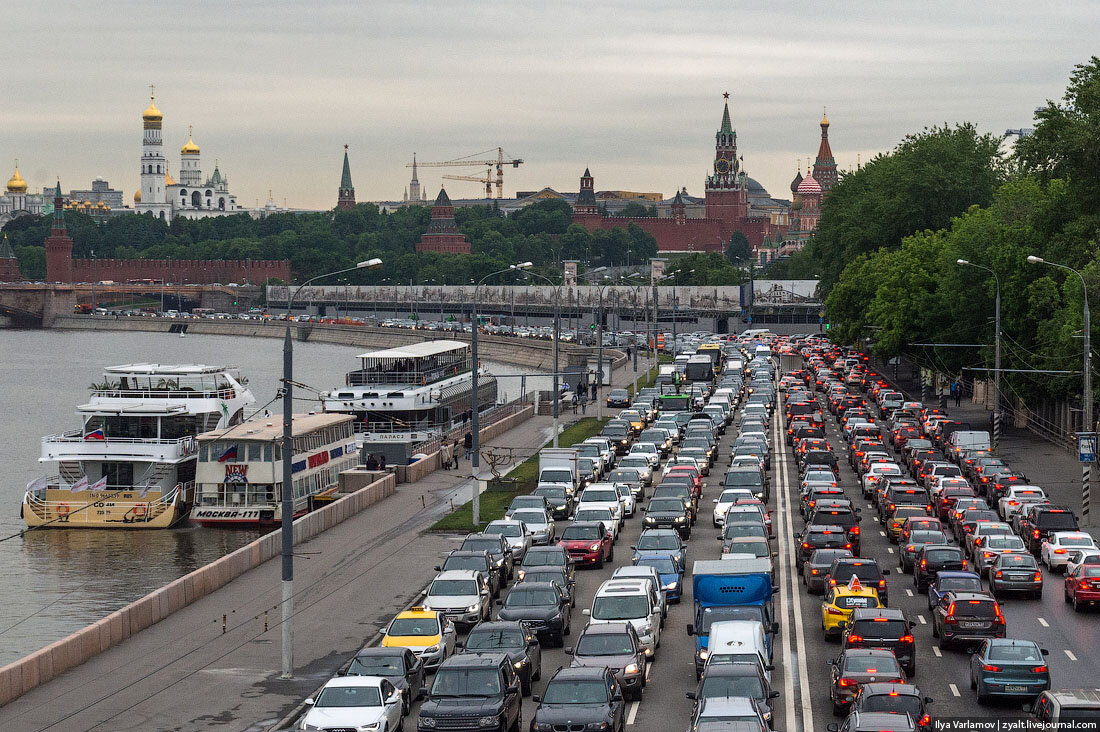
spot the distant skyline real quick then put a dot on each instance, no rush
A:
(633, 90)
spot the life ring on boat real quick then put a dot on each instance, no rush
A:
(62, 509)
(140, 510)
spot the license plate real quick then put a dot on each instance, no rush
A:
(1015, 688)
(972, 625)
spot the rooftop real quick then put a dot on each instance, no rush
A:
(417, 350)
(167, 370)
(266, 431)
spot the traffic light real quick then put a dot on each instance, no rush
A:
(827, 326)
(592, 327)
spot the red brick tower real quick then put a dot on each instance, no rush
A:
(346, 197)
(59, 245)
(442, 234)
(586, 200)
(678, 209)
(726, 198)
(9, 265)
(825, 165)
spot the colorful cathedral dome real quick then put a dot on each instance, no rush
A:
(809, 184)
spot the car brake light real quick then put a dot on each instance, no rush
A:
(1059, 551)
(992, 668)
(853, 638)
(846, 682)
(923, 563)
(1039, 669)
(855, 530)
(882, 583)
(998, 573)
(1038, 577)
(1083, 586)
(833, 611)
(805, 545)
(813, 571)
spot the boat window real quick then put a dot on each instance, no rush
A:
(267, 452)
(204, 453)
(254, 452)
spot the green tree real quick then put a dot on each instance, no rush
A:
(739, 250)
(638, 210)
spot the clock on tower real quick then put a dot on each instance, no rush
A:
(721, 166)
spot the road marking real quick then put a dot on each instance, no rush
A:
(954, 690)
(882, 533)
(1070, 656)
(632, 712)
(890, 549)
(936, 650)
(648, 671)
(909, 593)
(922, 620)
(1043, 623)
(870, 505)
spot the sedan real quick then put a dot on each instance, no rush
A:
(817, 566)
(1082, 586)
(1055, 550)
(1015, 573)
(860, 666)
(581, 697)
(615, 646)
(945, 582)
(358, 702)
(1009, 667)
(516, 641)
(896, 699)
(918, 539)
(541, 606)
(660, 542)
(399, 666)
(992, 547)
(932, 559)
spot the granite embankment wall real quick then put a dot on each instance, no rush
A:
(533, 353)
(23, 675)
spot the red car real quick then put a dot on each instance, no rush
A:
(588, 542)
(696, 478)
(1083, 586)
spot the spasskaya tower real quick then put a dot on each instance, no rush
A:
(726, 191)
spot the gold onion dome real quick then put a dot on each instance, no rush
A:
(16, 184)
(137, 196)
(190, 148)
(152, 114)
(168, 181)
(824, 119)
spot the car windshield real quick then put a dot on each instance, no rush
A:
(713, 615)
(626, 476)
(674, 505)
(897, 704)
(556, 476)
(725, 686)
(466, 682)
(522, 596)
(634, 461)
(480, 640)
(477, 563)
(548, 492)
(593, 514)
(663, 565)
(605, 644)
(1022, 653)
(376, 666)
(575, 692)
(657, 541)
(870, 664)
(575, 532)
(449, 587)
(481, 545)
(734, 531)
(611, 607)
(751, 546)
(531, 518)
(879, 628)
(554, 576)
(349, 696)
(551, 559)
(975, 608)
(1017, 561)
(505, 529)
(946, 584)
(1076, 541)
(1005, 542)
(601, 496)
(414, 626)
(943, 555)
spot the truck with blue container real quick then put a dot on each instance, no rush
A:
(738, 589)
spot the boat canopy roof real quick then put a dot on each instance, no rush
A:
(418, 350)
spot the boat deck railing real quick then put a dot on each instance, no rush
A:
(78, 436)
(81, 511)
(180, 393)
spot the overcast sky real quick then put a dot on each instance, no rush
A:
(275, 89)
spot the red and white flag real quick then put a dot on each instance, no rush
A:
(80, 485)
(99, 485)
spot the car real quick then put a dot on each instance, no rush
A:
(588, 542)
(867, 570)
(548, 556)
(840, 601)
(515, 533)
(670, 573)
(887, 628)
(426, 633)
(615, 646)
(584, 697)
(1082, 586)
(514, 639)
(814, 538)
(944, 582)
(817, 566)
(541, 606)
(967, 618)
(991, 547)
(1054, 551)
(897, 699)
(1066, 706)
(602, 495)
(462, 595)
(399, 666)
(356, 702)
(557, 575)
(933, 558)
(1009, 667)
(499, 550)
(860, 666)
(1077, 557)
(1015, 572)
(740, 713)
(540, 526)
(478, 691)
(1043, 520)
(632, 599)
(729, 680)
(618, 398)
(874, 722)
(660, 542)
(668, 512)
(479, 561)
(558, 497)
(916, 541)
(727, 498)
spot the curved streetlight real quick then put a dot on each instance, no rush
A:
(287, 518)
(475, 407)
(1086, 386)
(996, 349)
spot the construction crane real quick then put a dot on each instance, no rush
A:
(478, 159)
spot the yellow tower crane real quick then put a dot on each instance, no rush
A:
(478, 159)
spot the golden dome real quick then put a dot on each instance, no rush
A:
(168, 179)
(16, 184)
(190, 148)
(824, 119)
(152, 114)
(137, 196)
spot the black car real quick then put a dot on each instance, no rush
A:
(538, 557)
(934, 558)
(736, 679)
(480, 561)
(1044, 521)
(887, 628)
(894, 699)
(582, 697)
(817, 566)
(400, 666)
(542, 607)
(561, 502)
(514, 639)
(620, 433)
(557, 575)
(874, 722)
(967, 618)
(469, 690)
(498, 549)
(817, 537)
(838, 515)
(868, 571)
(668, 513)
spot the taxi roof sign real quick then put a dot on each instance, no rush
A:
(854, 584)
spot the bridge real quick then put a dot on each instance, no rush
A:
(35, 305)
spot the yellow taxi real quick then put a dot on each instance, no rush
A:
(637, 421)
(427, 633)
(839, 602)
(896, 520)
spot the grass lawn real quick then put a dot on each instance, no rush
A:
(645, 379)
(495, 503)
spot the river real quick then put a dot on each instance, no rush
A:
(58, 581)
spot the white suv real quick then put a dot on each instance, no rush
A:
(633, 600)
(602, 495)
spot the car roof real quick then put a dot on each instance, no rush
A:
(580, 672)
(607, 628)
(890, 687)
(382, 651)
(347, 681)
(871, 652)
(892, 613)
(962, 596)
(458, 574)
(720, 705)
(482, 660)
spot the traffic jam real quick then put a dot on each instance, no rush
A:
(770, 537)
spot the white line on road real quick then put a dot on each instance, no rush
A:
(1070, 656)
(954, 690)
(632, 713)
(1043, 623)
(882, 533)
(922, 620)
(909, 593)
(890, 549)
(936, 650)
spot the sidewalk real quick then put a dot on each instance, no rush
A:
(186, 673)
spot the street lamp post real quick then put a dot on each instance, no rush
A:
(475, 407)
(996, 351)
(1086, 386)
(287, 519)
(637, 299)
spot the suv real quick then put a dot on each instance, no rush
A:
(470, 690)
(962, 617)
(479, 561)
(897, 699)
(1044, 521)
(615, 646)
(887, 628)
(499, 550)
(514, 639)
(933, 558)
(580, 698)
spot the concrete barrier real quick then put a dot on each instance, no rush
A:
(47, 663)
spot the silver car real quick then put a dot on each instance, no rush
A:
(540, 527)
(515, 533)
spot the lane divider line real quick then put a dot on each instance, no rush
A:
(632, 713)
(936, 650)
(909, 592)
(922, 619)
(954, 689)
(1043, 623)
(882, 533)
(1069, 654)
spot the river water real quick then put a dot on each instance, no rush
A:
(57, 581)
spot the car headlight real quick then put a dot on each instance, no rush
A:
(702, 654)
(488, 721)
(473, 608)
(645, 630)
(594, 548)
(520, 664)
(680, 519)
(672, 585)
(597, 725)
(311, 726)
(631, 668)
(367, 727)
(434, 649)
(522, 573)
(650, 520)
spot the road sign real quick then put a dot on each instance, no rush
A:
(821, 313)
(1086, 447)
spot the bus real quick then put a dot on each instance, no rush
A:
(717, 355)
(700, 367)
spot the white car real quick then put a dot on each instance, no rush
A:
(355, 702)
(462, 595)
(1077, 557)
(647, 450)
(602, 495)
(1055, 550)
(639, 463)
(626, 497)
(875, 473)
(1014, 498)
(598, 513)
(946, 481)
(540, 526)
(723, 502)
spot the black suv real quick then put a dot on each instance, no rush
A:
(894, 699)
(932, 558)
(584, 697)
(480, 561)
(1043, 521)
(837, 514)
(887, 628)
(498, 549)
(967, 617)
(541, 606)
(470, 690)
(514, 639)
(817, 537)
(868, 571)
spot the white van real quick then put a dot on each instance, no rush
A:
(738, 641)
(966, 440)
(633, 600)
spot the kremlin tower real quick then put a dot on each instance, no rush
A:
(442, 234)
(726, 196)
(59, 245)
(346, 197)
(153, 196)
